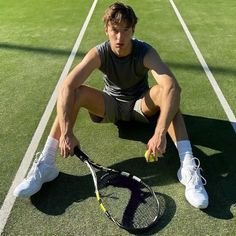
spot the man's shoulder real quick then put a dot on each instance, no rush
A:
(141, 43)
(141, 47)
(103, 46)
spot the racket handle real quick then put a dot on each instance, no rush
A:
(81, 155)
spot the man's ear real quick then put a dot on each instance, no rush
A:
(105, 30)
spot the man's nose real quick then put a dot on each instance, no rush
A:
(119, 35)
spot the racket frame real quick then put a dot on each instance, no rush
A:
(91, 165)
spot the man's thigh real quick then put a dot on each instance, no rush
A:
(150, 103)
(110, 113)
(91, 99)
(146, 108)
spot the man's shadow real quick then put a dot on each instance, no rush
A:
(57, 196)
(219, 167)
(219, 170)
(212, 135)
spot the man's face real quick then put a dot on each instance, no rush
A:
(120, 38)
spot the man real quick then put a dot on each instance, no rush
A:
(125, 63)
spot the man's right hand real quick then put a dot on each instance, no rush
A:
(67, 143)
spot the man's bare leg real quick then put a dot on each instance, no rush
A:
(44, 169)
(188, 173)
(89, 98)
(177, 129)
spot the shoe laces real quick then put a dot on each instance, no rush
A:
(37, 161)
(194, 176)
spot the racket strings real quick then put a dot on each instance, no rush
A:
(128, 201)
(137, 214)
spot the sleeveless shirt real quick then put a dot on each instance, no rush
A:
(126, 78)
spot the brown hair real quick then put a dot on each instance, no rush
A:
(118, 12)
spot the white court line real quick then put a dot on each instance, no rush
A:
(26, 162)
(219, 94)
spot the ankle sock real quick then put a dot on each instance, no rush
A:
(185, 152)
(50, 150)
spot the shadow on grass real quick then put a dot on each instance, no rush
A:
(219, 168)
(41, 50)
(197, 67)
(57, 196)
(205, 134)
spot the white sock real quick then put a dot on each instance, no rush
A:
(50, 150)
(185, 152)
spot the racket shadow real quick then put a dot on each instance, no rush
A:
(155, 176)
(57, 196)
(167, 212)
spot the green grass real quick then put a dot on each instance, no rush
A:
(32, 58)
(35, 41)
(213, 27)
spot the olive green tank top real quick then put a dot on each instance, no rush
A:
(126, 78)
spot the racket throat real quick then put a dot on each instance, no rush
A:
(100, 202)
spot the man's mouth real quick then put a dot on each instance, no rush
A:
(119, 45)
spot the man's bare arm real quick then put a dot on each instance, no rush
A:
(170, 94)
(67, 96)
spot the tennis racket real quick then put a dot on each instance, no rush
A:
(125, 199)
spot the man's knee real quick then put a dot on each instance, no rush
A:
(90, 99)
(153, 97)
(81, 94)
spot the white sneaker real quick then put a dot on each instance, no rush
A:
(39, 173)
(195, 192)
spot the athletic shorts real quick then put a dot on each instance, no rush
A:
(118, 110)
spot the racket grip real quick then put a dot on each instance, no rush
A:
(80, 154)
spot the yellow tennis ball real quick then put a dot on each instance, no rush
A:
(151, 157)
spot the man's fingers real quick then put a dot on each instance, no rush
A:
(64, 151)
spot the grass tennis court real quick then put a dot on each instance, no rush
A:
(36, 39)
